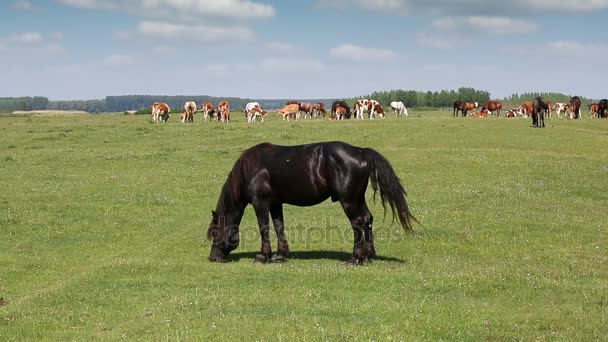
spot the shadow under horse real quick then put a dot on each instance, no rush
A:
(268, 176)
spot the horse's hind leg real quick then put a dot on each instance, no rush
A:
(361, 221)
(276, 213)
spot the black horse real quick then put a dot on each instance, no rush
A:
(268, 175)
(460, 106)
(538, 113)
(602, 109)
(341, 104)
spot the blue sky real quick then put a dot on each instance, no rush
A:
(87, 49)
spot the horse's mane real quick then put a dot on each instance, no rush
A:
(238, 178)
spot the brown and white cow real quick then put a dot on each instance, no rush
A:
(160, 112)
(223, 109)
(561, 108)
(470, 106)
(189, 110)
(289, 111)
(319, 109)
(493, 106)
(367, 106)
(208, 110)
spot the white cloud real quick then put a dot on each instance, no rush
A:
(183, 8)
(434, 41)
(469, 7)
(485, 24)
(32, 41)
(281, 47)
(361, 54)
(200, 33)
(117, 60)
(23, 5)
(567, 47)
(279, 64)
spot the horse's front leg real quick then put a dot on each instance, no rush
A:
(261, 211)
(276, 212)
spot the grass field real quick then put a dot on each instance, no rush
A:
(102, 222)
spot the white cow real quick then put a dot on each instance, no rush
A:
(399, 108)
(561, 108)
(189, 110)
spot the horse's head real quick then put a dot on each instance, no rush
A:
(224, 237)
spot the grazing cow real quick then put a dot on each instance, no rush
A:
(470, 106)
(399, 108)
(561, 108)
(368, 106)
(538, 115)
(342, 104)
(305, 109)
(160, 112)
(289, 111)
(208, 110)
(250, 106)
(255, 113)
(602, 109)
(594, 110)
(493, 106)
(189, 110)
(223, 109)
(459, 106)
(575, 107)
(319, 109)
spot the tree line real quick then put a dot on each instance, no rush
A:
(411, 98)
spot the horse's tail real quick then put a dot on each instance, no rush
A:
(383, 178)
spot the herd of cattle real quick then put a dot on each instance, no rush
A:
(340, 110)
(538, 108)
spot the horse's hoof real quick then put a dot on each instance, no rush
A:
(358, 262)
(260, 258)
(278, 258)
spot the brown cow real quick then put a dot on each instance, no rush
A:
(223, 109)
(289, 111)
(319, 109)
(208, 110)
(493, 106)
(594, 109)
(575, 107)
(160, 112)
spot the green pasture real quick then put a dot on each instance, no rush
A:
(103, 220)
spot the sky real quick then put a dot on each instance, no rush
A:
(89, 49)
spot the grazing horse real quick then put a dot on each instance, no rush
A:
(399, 108)
(538, 115)
(223, 109)
(289, 111)
(268, 176)
(342, 104)
(208, 110)
(160, 112)
(575, 107)
(602, 109)
(459, 106)
(527, 108)
(189, 110)
(493, 106)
